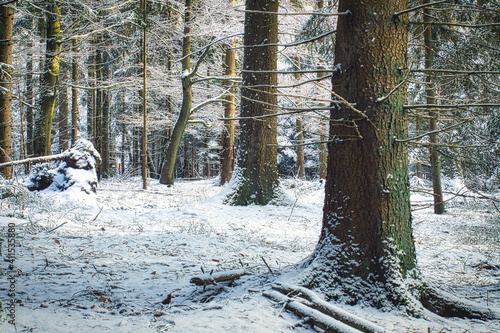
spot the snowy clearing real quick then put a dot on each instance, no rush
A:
(122, 260)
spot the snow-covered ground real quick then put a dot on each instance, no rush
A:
(122, 260)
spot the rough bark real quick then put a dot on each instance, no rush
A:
(43, 127)
(256, 175)
(366, 248)
(6, 48)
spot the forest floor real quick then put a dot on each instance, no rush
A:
(122, 260)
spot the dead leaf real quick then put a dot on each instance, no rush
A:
(167, 300)
(153, 273)
(104, 299)
(57, 241)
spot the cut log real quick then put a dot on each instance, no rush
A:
(331, 310)
(212, 278)
(315, 317)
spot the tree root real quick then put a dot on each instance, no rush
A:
(445, 304)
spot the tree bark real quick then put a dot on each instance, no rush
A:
(366, 248)
(6, 48)
(257, 179)
(144, 150)
(74, 94)
(431, 99)
(227, 153)
(299, 129)
(168, 168)
(43, 127)
(63, 115)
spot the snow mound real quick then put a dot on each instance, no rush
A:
(75, 170)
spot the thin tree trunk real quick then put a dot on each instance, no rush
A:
(6, 48)
(64, 115)
(227, 153)
(431, 99)
(105, 133)
(43, 128)
(74, 94)
(168, 168)
(418, 165)
(30, 100)
(299, 129)
(144, 150)
(91, 100)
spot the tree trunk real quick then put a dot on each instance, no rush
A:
(144, 150)
(64, 115)
(299, 129)
(168, 168)
(30, 100)
(186, 170)
(105, 133)
(323, 148)
(366, 247)
(43, 127)
(74, 94)
(227, 153)
(431, 99)
(6, 48)
(257, 179)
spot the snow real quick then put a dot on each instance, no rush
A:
(109, 261)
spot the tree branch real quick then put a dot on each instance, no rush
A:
(418, 7)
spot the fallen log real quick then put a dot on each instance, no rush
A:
(213, 278)
(36, 160)
(315, 317)
(328, 309)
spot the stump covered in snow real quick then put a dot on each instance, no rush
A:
(73, 169)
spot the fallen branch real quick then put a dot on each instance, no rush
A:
(212, 278)
(316, 318)
(36, 160)
(328, 309)
(60, 225)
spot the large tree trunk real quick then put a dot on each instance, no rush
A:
(431, 99)
(366, 246)
(168, 168)
(227, 153)
(6, 47)
(257, 179)
(43, 127)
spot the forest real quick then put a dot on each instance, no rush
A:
(350, 146)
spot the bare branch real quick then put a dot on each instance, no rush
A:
(434, 132)
(418, 7)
